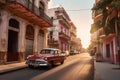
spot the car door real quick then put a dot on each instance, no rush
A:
(56, 57)
(60, 57)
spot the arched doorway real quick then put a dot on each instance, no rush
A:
(29, 40)
(40, 40)
(13, 32)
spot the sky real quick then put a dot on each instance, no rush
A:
(80, 13)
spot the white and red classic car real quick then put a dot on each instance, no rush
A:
(47, 57)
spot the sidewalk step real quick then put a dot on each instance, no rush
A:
(12, 67)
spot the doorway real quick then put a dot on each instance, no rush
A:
(13, 31)
(108, 50)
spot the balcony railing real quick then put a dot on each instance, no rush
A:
(31, 7)
(63, 35)
(65, 21)
(94, 28)
(52, 42)
(101, 33)
(73, 32)
(73, 40)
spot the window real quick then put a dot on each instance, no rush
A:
(51, 35)
(30, 4)
(108, 50)
(41, 32)
(41, 6)
(30, 32)
(14, 23)
(61, 29)
(52, 52)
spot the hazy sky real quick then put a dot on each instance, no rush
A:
(81, 16)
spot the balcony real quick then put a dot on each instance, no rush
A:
(63, 20)
(63, 35)
(105, 37)
(73, 32)
(73, 40)
(53, 42)
(93, 29)
(98, 12)
(27, 11)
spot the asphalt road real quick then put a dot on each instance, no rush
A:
(76, 67)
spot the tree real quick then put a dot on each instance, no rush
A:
(105, 5)
(108, 7)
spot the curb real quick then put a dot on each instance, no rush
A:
(12, 69)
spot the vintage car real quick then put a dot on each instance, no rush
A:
(47, 57)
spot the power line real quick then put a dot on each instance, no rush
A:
(79, 10)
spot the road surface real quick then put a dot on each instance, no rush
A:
(76, 67)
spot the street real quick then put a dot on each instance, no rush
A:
(76, 67)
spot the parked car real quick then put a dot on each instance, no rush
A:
(72, 52)
(65, 53)
(47, 57)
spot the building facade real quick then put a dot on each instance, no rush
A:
(79, 46)
(73, 37)
(105, 39)
(59, 34)
(23, 28)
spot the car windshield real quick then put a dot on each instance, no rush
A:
(47, 52)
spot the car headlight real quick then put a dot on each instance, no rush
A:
(45, 58)
(27, 58)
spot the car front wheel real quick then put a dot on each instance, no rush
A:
(30, 66)
(62, 62)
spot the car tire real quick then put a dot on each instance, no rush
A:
(51, 64)
(30, 66)
(62, 62)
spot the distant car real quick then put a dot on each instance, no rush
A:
(47, 57)
(92, 53)
(65, 53)
(72, 52)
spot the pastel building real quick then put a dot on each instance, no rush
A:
(73, 37)
(106, 45)
(59, 34)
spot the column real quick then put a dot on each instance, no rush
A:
(3, 36)
(21, 43)
(45, 45)
(35, 47)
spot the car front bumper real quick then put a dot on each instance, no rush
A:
(37, 63)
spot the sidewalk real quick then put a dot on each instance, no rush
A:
(106, 71)
(11, 67)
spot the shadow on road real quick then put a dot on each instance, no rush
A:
(59, 73)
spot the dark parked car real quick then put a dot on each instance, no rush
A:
(72, 52)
